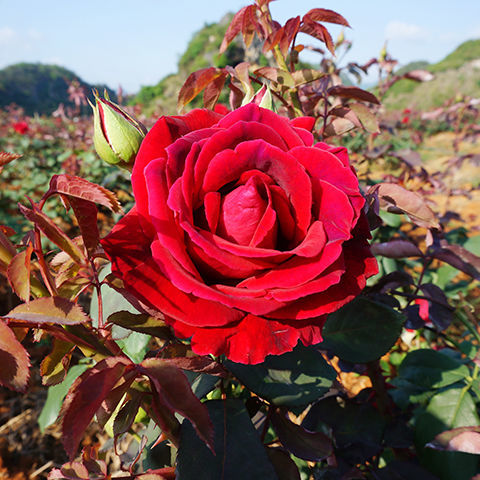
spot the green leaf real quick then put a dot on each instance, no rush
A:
(429, 369)
(449, 409)
(55, 397)
(294, 378)
(351, 423)
(239, 453)
(362, 330)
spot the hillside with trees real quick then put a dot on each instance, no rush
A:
(39, 88)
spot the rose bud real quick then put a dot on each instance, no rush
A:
(117, 135)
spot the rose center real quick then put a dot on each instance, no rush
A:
(241, 211)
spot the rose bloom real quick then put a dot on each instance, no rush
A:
(21, 127)
(245, 234)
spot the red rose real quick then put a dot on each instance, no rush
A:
(21, 127)
(244, 234)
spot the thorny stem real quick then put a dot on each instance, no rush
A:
(98, 287)
(280, 59)
(44, 270)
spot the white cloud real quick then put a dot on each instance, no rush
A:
(404, 31)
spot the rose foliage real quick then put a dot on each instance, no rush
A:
(245, 233)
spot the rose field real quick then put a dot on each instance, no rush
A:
(273, 277)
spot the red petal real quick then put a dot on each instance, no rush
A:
(228, 166)
(252, 339)
(306, 123)
(254, 113)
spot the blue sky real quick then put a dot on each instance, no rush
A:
(137, 43)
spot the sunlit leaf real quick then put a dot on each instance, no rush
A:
(195, 83)
(85, 397)
(462, 439)
(80, 188)
(56, 310)
(172, 390)
(366, 116)
(397, 199)
(86, 215)
(14, 360)
(52, 232)
(53, 366)
(18, 273)
(325, 15)
(318, 31)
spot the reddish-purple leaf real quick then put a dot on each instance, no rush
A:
(396, 249)
(284, 466)
(213, 91)
(312, 446)
(397, 199)
(439, 310)
(276, 75)
(171, 389)
(126, 415)
(166, 473)
(195, 83)
(111, 401)
(80, 188)
(7, 157)
(54, 365)
(273, 40)
(18, 273)
(234, 28)
(460, 258)
(318, 31)
(52, 232)
(419, 75)
(7, 250)
(290, 29)
(325, 15)
(55, 310)
(85, 397)
(338, 126)
(366, 116)
(198, 364)
(70, 471)
(249, 24)
(14, 360)
(353, 92)
(86, 215)
(306, 75)
(461, 439)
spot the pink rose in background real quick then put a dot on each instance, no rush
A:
(245, 234)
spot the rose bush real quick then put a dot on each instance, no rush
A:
(245, 234)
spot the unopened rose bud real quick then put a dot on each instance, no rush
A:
(263, 98)
(117, 135)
